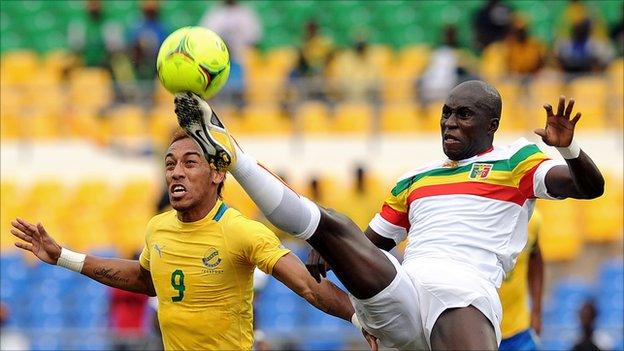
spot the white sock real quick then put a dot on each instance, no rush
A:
(283, 207)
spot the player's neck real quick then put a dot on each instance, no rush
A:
(198, 212)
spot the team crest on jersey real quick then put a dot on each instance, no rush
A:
(211, 259)
(480, 171)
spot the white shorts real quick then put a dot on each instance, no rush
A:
(403, 314)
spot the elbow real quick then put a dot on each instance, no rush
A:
(596, 191)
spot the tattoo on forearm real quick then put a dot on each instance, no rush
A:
(107, 273)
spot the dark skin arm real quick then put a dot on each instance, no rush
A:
(536, 284)
(117, 273)
(580, 179)
(318, 267)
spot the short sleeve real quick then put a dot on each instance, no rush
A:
(144, 259)
(529, 167)
(392, 221)
(539, 179)
(263, 248)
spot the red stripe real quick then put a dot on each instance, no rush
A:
(395, 217)
(526, 182)
(491, 191)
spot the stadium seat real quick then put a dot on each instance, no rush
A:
(602, 217)
(560, 237)
(263, 119)
(128, 122)
(590, 94)
(312, 118)
(19, 66)
(399, 118)
(91, 87)
(353, 117)
(236, 197)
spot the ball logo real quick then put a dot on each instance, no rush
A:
(480, 171)
(211, 258)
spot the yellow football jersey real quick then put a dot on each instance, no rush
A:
(514, 290)
(203, 276)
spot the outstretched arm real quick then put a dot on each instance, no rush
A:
(580, 179)
(324, 295)
(118, 273)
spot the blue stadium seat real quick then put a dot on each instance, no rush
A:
(322, 345)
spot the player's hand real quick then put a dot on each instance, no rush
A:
(536, 323)
(316, 265)
(371, 340)
(559, 128)
(36, 240)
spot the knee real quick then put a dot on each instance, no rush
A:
(336, 223)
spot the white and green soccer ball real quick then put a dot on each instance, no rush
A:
(193, 59)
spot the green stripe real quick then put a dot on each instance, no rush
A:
(500, 165)
(220, 212)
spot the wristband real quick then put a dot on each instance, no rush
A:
(71, 260)
(571, 151)
(355, 321)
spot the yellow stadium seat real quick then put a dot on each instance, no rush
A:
(229, 114)
(399, 118)
(162, 123)
(313, 118)
(430, 116)
(91, 87)
(353, 117)
(560, 236)
(10, 208)
(42, 124)
(128, 121)
(281, 60)
(397, 85)
(19, 66)
(493, 65)
(382, 56)
(235, 196)
(545, 90)
(414, 59)
(10, 126)
(263, 119)
(161, 95)
(603, 217)
(590, 94)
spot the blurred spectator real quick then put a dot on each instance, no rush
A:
(93, 39)
(238, 25)
(617, 34)
(581, 53)
(491, 23)
(240, 28)
(316, 48)
(355, 75)
(448, 66)
(10, 339)
(524, 54)
(587, 316)
(145, 42)
(127, 313)
(576, 12)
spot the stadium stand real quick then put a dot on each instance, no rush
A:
(81, 103)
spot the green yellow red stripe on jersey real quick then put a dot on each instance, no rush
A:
(509, 180)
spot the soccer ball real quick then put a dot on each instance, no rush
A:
(193, 59)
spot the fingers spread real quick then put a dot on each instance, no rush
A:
(24, 246)
(17, 225)
(549, 110)
(21, 235)
(576, 118)
(561, 105)
(27, 224)
(568, 110)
